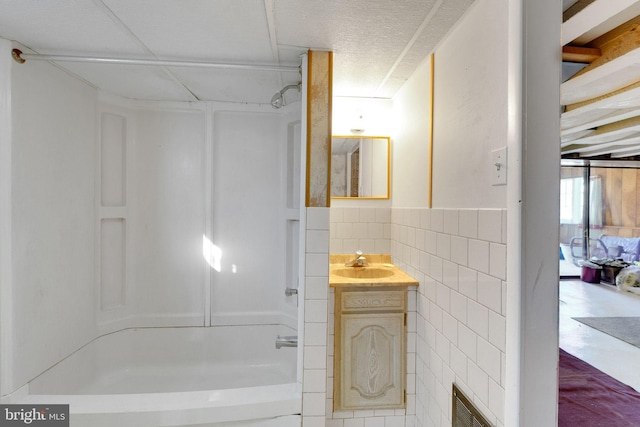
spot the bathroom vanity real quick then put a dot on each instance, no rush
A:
(370, 333)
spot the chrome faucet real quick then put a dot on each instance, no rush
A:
(286, 341)
(290, 292)
(358, 261)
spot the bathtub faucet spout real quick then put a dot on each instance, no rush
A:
(286, 341)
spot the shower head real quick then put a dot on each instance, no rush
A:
(277, 101)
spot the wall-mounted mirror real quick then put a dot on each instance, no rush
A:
(360, 166)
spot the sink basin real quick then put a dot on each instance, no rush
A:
(363, 272)
(380, 272)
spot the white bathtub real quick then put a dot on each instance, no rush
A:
(227, 376)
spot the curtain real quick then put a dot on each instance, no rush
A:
(595, 203)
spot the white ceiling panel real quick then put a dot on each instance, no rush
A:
(135, 82)
(366, 37)
(377, 43)
(230, 30)
(73, 27)
(233, 86)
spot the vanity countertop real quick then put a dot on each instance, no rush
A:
(380, 272)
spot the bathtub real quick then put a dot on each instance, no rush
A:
(225, 376)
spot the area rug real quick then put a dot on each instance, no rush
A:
(624, 328)
(590, 398)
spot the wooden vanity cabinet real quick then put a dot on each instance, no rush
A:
(370, 348)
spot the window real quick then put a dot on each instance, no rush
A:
(571, 191)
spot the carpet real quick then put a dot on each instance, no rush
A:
(590, 398)
(624, 328)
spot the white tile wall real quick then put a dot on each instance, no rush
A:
(459, 257)
(369, 230)
(365, 229)
(457, 323)
(314, 364)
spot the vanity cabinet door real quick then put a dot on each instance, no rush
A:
(372, 353)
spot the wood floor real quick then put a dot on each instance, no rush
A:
(610, 355)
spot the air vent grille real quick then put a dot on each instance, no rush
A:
(464, 413)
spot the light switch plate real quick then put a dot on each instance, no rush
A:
(499, 166)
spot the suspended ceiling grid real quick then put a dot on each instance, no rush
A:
(377, 44)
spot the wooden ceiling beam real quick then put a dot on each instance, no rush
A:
(583, 55)
(615, 44)
(614, 70)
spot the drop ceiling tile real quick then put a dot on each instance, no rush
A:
(367, 37)
(135, 82)
(231, 30)
(233, 86)
(71, 27)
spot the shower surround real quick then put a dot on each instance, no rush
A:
(126, 214)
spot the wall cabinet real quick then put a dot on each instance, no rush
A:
(370, 348)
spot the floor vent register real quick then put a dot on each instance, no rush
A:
(464, 413)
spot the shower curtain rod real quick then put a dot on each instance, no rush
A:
(20, 57)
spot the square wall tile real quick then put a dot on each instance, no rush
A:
(375, 230)
(315, 357)
(478, 381)
(490, 225)
(315, 311)
(382, 246)
(468, 282)
(351, 214)
(467, 340)
(316, 287)
(468, 226)
(479, 255)
(318, 218)
(343, 230)
(504, 226)
(383, 215)
(443, 246)
(460, 250)
(498, 260)
(313, 404)
(490, 292)
(497, 331)
(478, 318)
(437, 220)
(451, 221)
(458, 306)
(414, 219)
(315, 380)
(354, 422)
(374, 422)
(394, 421)
(317, 241)
(367, 246)
(315, 334)
(335, 246)
(367, 215)
(336, 215)
(489, 359)
(317, 265)
(314, 421)
(425, 219)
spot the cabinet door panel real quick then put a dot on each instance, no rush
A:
(372, 368)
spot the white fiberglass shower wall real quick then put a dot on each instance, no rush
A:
(112, 206)
(255, 217)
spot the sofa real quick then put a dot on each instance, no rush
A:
(626, 248)
(605, 246)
